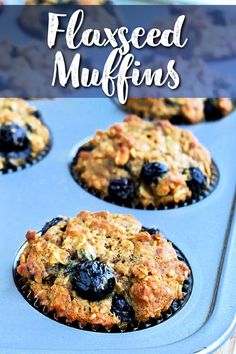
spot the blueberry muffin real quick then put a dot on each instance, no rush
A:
(19, 64)
(23, 136)
(35, 22)
(181, 110)
(102, 269)
(140, 163)
(206, 79)
(206, 25)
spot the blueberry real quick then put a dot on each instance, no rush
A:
(13, 138)
(51, 223)
(37, 114)
(177, 119)
(197, 182)
(151, 231)
(170, 103)
(211, 112)
(122, 309)
(151, 171)
(93, 280)
(121, 189)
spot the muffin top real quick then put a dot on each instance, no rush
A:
(102, 269)
(23, 136)
(143, 163)
(181, 110)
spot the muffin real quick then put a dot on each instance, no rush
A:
(138, 163)
(181, 110)
(19, 64)
(205, 78)
(102, 269)
(206, 25)
(23, 136)
(36, 25)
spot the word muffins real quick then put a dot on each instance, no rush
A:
(181, 110)
(102, 270)
(144, 164)
(24, 139)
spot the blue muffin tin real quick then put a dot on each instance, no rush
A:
(204, 232)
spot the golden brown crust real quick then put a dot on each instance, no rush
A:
(18, 111)
(122, 150)
(188, 110)
(147, 271)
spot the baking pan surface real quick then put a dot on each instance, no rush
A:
(204, 232)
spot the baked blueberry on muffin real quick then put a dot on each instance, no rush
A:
(23, 136)
(181, 110)
(140, 163)
(102, 269)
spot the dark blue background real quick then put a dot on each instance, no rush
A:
(192, 84)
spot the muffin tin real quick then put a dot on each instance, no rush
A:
(204, 232)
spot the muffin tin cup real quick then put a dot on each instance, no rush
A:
(30, 161)
(215, 175)
(176, 306)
